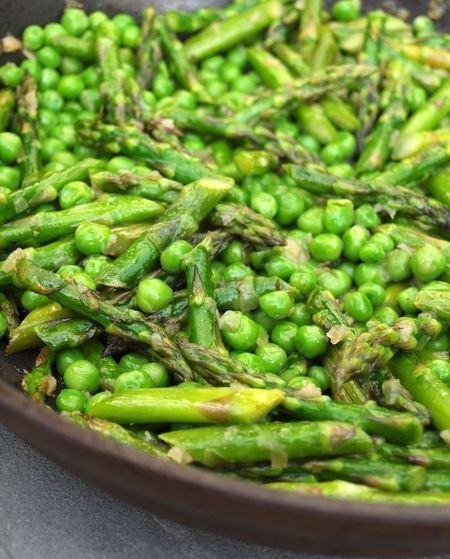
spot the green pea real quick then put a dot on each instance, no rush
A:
(273, 356)
(217, 270)
(75, 193)
(265, 204)
(70, 86)
(423, 26)
(348, 268)
(251, 360)
(82, 375)
(398, 265)
(320, 377)
(11, 74)
(90, 77)
(370, 273)
(239, 331)
(92, 238)
(51, 31)
(69, 270)
(215, 88)
(66, 158)
(387, 315)
(131, 36)
(309, 142)
(51, 100)
(10, 147)
(441, 343)
(385, 241)
(338, 216)
(158, 374)
(333, 153)
(375, 292)
(335, 281)
(326, 246)
(367, 216)
(153, 295)
(133, 380)
(236, 271)
(358, 306)
(276, 304)
(71, 400)
(31, 300)
(91, 100)
(344, 170)
(71, 66)
(10, 177)
(132, 362)
(120, 163)
(233, 253)
(311, 341)
(95, 265)
(346, 10)
(372, 253)
(290, 206)
(437, 186)
(311, 220)
(163, 87)
(303, 281)
(283, 334)
(48, 57)
(193, 142)
(280, 266)
(262, 319)
(75, 21)
(172, 257)
(427, 263)
(406, 298)
(300, 315)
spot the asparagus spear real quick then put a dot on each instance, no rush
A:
(24, 336)
(310, 26)
(181, 67)
(434, 301)
(116, 433)
(122, 322)
(417, 168)
(332, 80)
(437, 481)
(240, 220)
(45, 190)
(66, 334)
(434, 458)
(353, 492)
(151, 185)
(413, 144)
(190, 22)
(75, 47)
(7, 102)
(160, 156)
(113, 80)
(431, 114)
(369, 94)
(292, 58)
(373, 473)
(326, 50)
(218, 369)
(182, 218)
(149, 52)
(403, 428)
(391, 199)
(200, 291)
(50, 257)
(10, 311)
(271, 70)
(222, 35)
(269, 442)
(39, 382)
(340, 114)
(41, 228)
(430, 56)
(26, 123)
(377, 148)
(425, 386)
(188, 405)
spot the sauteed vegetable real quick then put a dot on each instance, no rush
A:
(226, 233)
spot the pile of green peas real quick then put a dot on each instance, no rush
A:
(333, 246)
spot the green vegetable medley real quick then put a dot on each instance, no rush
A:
(227, 233)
